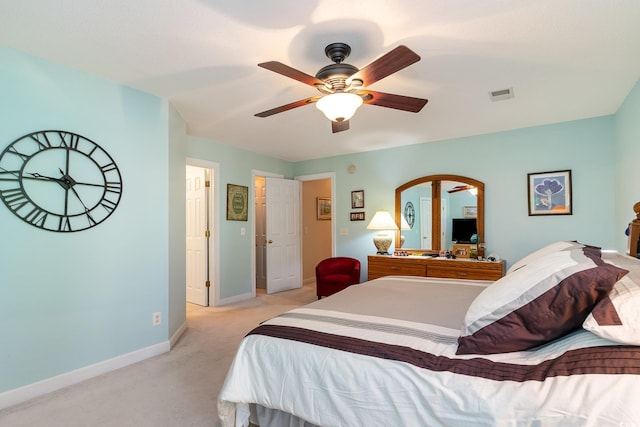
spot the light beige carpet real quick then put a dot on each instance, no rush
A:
(178, 388)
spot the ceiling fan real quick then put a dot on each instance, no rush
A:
(344, 86)
(461, 188)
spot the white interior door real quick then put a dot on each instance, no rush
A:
(283, 235)
(196, 224)
(444, 224)
(425, 223)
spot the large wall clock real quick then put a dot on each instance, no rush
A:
(409, 214)
(59, 181)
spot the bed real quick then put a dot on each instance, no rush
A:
(556, 342)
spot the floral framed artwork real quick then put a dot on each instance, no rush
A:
(237, 202)
(357, 199)
(323, 205)
(549, 193)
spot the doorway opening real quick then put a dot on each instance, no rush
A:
(317, 236)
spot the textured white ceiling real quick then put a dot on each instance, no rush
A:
(564, 59)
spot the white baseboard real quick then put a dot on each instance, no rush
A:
(30, 391)
(234, 299)
(178, 334)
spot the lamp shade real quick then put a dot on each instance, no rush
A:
(382, 220)
(404, 225)
(339, 106)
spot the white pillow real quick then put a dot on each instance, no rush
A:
(617, 317)
(553, 247)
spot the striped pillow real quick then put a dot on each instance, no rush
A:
(617, 317)
(542, 301)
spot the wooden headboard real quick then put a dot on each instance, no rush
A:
(634, 233)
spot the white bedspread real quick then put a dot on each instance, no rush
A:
(334, 368)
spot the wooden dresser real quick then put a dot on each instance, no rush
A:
(460, 268)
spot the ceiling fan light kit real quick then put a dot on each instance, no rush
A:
(343, 85)
(339, 106)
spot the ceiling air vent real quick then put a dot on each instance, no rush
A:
(501, 95)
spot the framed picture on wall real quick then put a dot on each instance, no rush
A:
(237, 202)
(470, 211)
(357, 216)
(549, 193)
(323, 205)
(357, 199)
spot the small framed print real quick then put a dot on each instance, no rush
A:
(470, 211)
(549, 193)
(357, 216)
(462, 251)
(357, 199)
(323, 205)
(237, 202)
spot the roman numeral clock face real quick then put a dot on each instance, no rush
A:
(59, 181)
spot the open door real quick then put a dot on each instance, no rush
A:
(284, 270)
(197, 236)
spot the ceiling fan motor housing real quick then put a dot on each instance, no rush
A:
(336, 74)
(337, 52)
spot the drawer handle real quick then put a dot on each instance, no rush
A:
(394, 268)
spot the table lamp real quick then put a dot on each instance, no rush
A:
(382, 221)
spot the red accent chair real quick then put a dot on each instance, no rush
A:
(336, 274)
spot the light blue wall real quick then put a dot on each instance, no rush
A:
(69, 300)
(502, 161)
(627, 163)
(177, 222)
(235, 168)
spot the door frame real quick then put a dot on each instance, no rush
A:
(214, 221)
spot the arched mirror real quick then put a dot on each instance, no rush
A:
(439, 210)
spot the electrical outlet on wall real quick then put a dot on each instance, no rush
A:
(157, 318)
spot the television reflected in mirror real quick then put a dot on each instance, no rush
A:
(462, 229)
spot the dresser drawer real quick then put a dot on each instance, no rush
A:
(474, 270)
(380, 266)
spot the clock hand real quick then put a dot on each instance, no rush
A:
(66, 185)
(50, 178)
(86, 210)
(70, 182)
(90, 183)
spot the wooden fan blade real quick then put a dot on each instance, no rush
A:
(459, 188)
(285, 70)
(339, 126)
(287, 107)
(399, 102)
(387, 64)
